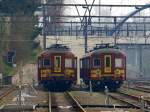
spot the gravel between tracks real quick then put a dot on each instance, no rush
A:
(98, 98)
(63, 102)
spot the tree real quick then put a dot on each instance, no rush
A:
(26, 7)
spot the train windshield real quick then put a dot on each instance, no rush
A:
(118, 62)
(46, 62)
(96, 62)
(68, 63)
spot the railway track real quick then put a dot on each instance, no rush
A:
(132, 100)
(64, 102)
(6, 92)
(141, 88)
(135, 97)
(138, 88)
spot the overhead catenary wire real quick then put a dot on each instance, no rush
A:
(17, 40)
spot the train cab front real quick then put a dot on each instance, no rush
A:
(57, 71)
(108, 70)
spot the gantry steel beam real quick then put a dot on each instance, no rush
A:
(138, 9)
(95, 5)
(76, 16)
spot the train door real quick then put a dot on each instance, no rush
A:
(107, 64)
(57, 64)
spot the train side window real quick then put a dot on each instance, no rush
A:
(46, 62)
(118, 62)
(96, 62)
(68, 62)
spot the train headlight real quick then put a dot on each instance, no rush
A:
(117, 71)
(69, 72)
(45, 72)
(95, 73)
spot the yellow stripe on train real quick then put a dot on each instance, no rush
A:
(96, 73)
(119, 72)
(45, 72)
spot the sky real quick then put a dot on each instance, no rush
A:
(111, 11)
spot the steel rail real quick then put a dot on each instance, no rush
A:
(125, 101)
(142, 89)
(134, 97)
(4, 94)
(139, 88)
(81, 109)
(136, 105)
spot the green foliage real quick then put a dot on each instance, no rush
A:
(2, 25)
(27, 7)
(33, 56)
(4, 33)
(7, 69)
(24, 32)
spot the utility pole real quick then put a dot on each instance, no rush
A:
(85, 33)
(115, 38)
(87, 22)
(141, 66)
(99, 12)
(44, 26)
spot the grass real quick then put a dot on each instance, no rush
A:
(7, 69)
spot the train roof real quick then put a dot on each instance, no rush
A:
(104, 49)
(56, 48)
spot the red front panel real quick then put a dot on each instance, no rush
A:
(108, 67)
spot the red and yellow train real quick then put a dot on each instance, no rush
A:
(57, 68)
(104, 66)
